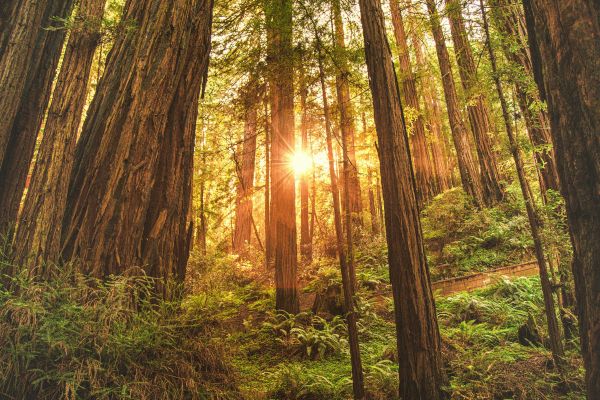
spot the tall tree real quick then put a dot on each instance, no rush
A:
(305, 237)
(565, 45)
(426, 183)
(477, 108)
(38, 236)
(283, 187)
(347, 123)
(532, 213)
(460, 135)
(245, 165)
(440, 155)
(28, 63)
(509, 21)
(346, 272)
(128, 203)
(418, 338)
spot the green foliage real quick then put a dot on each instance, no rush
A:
(75, 337)
(307, 335)
(292, 382)
(461, 239)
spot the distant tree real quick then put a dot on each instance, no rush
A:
(467, 166)
(565, 47)
(418, 338)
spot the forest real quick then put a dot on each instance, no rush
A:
(299, 199)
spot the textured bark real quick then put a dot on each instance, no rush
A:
(27, 69)
(509, 20)
(418, 338)
(440, 155)
(269, 248)
(7, 7)
(38, 236)
(347, 123)
(426, 182)
(565, 42)
(129, 193)
(460, 135)
(305, 238)
(479, 115)
(532, 213)
(245, 165)
(283, 188)
(346, 272)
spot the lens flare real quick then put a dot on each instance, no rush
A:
(300, 163)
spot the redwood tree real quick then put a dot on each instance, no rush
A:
(38, 237)
(28, 62)
(283, 186)
(426, 183)
(477, 108)
(418, 338)
(460, 135)
(128, 203)
(565, 45)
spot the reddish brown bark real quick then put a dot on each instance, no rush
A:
(128, 204)
(28, 65)
(479, 115)
(347, 123)
(418, 338)
(426, 184)
(565, 44)
(283, 187)
(38, 236)
(460, 135)
(305, 238)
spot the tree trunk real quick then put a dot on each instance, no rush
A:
(418, 338)
(129, 193)
(346, 272)
(509, 20)
(305, 238)
(38, 236)
(479, 115)
(460, 135)
(269, 249)
(553, 328)
(347, 113)
(439, 152)
(27, 69)
(283, 188)
(565, 44)
(426, 183)
(245, 165)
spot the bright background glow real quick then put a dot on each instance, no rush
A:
(301, 163)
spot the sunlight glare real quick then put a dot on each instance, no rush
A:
(301, 163)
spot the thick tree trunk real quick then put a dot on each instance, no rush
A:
(565, 42)
(346, 271)
(245, 165)
(38, 236)
(508, 18)
(532, 213)
(269, 248)
(418, 338)
(460, 135)
(347, 123)
(439, 151)
(479, 115)
(305, 238)
(426, 183)
(283, 188)
(129, 194)
(27, 69)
